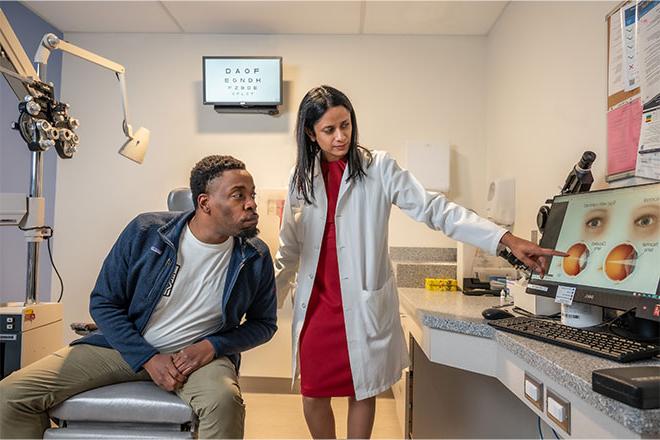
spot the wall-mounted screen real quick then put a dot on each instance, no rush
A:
(242, 81)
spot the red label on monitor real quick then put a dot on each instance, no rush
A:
(656, 311)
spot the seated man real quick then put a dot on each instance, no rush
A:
(169, 302)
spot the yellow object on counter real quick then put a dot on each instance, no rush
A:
(446, 284)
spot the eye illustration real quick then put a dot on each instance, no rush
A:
(620, 262)
(576, 261)
(595, 223)
(644, 222)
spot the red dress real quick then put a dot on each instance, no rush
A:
(325, 369)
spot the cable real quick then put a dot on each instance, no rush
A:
(57, 272)
(609, 322)
(538, 422)
(612, 326)
(502, 305)
(555, 433)
(527, 314)
(48, 235)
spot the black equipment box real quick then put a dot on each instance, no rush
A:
(635, 386)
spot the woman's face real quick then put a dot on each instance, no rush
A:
(333, 133)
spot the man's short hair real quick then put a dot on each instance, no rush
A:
(208, 169)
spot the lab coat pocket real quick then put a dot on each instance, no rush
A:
(379, 307)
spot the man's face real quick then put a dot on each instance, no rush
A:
(231, 204)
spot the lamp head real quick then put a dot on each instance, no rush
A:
(136, 145)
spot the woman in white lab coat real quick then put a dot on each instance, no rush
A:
(347, 337)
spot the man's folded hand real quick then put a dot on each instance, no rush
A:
(194, 356)
(164, 373)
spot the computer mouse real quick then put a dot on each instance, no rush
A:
(495, 313)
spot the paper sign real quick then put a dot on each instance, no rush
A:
(649, 50)
(623, 131)
(615, 75)
(565, 295)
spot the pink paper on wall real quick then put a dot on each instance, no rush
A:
(623, 129)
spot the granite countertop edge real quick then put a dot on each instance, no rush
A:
(643, 422)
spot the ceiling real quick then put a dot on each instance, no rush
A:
(273, 17)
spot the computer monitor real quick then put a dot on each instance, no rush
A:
(613, 241)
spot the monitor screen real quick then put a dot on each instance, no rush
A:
(613, 241)
(242, 81)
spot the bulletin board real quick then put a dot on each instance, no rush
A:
(633, 90)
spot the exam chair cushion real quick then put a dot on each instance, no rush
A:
(129, 402)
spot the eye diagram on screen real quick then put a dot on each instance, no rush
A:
(612, 239)
(578, 254)
(644, 224)
(595, 223)
(620, 262)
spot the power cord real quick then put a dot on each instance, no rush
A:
(610, 322)
(48, 235)
(538, 421)
(615, 327)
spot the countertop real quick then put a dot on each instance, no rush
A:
(455, 312)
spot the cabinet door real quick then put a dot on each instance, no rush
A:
(448, 402)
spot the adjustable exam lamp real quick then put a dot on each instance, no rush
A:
(44, 123)
(136, 145)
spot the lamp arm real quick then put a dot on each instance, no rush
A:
(14, 51)
(128, 130)
(15, 63)
(50, 42)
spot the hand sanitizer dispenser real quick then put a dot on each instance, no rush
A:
(501, 201)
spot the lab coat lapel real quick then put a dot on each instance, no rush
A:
(345, 185)
(320, 197)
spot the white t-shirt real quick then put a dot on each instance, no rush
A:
(191, 305)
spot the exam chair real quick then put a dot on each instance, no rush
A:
(180, 199)
(129, 410)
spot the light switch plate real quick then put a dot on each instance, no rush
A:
(533, 389)
(558, 410)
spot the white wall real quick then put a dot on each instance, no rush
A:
(524, 102)
(403, 88)
(547, 87)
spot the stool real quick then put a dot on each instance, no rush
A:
(136, 410)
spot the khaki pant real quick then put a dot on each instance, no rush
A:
(26, 395)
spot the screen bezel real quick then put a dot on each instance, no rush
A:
(245, 104)
(600, 296)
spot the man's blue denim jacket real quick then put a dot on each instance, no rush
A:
(137, 270)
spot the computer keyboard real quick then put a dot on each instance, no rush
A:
(605, 345)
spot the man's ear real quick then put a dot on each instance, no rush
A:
(203, 203)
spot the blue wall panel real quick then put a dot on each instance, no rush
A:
(15, 161)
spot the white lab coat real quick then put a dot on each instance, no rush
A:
(376, 345)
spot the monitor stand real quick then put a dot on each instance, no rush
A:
(581, 315)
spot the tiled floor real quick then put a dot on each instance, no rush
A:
(278, 416)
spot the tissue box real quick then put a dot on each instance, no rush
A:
(446, 284)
